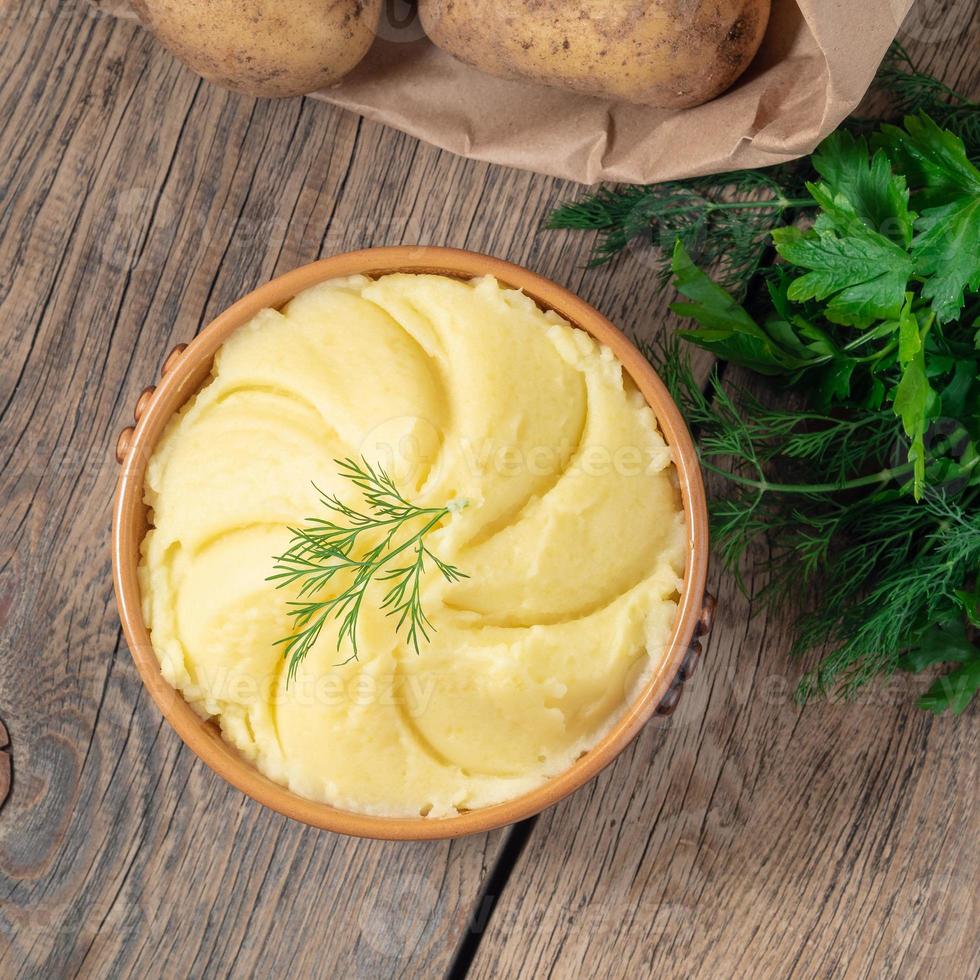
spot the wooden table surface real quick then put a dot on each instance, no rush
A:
(744, 837)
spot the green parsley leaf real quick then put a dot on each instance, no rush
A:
(944, 642)
(933, 160)
(946, 248)
(833, 383)
(727, 329)
(961, 396)
(861, 273)
(909, 338)
(879, 197)
(955, 690)
(969, 602)
(913, 395)
(947, 252)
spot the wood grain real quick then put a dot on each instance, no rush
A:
(739, 838)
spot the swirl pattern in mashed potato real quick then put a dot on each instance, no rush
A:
(573, 539)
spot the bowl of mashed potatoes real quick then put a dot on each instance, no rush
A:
(565, 491)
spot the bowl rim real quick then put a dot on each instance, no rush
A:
(178, 385)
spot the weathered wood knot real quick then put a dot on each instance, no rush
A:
(6, 765)
(668, 703)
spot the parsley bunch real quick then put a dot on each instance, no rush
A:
(867, 485)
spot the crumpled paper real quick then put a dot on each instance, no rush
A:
(816, 63)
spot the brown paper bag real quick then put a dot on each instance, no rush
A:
(816, 62)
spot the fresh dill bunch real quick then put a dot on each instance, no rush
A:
(900, 574)
(356, 547)
(895, 580)
(818, 454)
(723, 220)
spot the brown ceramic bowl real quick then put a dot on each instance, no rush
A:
(185, 370)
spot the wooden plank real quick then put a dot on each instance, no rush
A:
(747, 837)
(136, 203)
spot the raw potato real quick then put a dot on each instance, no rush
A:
(667, 53)
(268, 48)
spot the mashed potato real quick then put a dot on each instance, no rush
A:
(573, 540)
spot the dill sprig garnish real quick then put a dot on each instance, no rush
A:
(356, 547)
